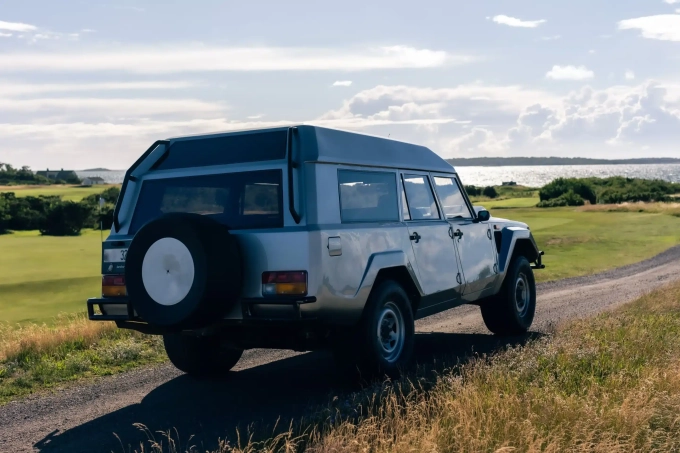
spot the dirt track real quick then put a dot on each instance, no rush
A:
(267, 384)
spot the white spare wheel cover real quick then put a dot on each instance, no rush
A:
(168, 271)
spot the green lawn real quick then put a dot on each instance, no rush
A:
(43, 276)
(67, 192)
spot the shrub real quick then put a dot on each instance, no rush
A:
(490, 192)
(561, 186)
(567, 199)
(473, 191)
(65, 219)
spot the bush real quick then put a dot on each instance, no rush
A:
(567, 199)
(473, 191)
(561, 186)
(66, 218)
(490, 192)
(101, 217)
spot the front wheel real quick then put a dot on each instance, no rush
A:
(511, 311)
(382, 343)
(200, 356)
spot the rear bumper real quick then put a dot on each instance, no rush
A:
(254, 311)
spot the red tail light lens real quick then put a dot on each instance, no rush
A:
(113, 286)
(284, 283)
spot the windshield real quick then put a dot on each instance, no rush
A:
(237, 200)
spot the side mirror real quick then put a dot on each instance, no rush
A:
(483, 216)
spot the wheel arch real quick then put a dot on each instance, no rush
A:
(516, 242)
(394, 266)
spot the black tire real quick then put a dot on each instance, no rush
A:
(204, 256)
(363, 353)
(511, 311)
(200, 356)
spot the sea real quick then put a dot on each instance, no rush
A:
(531, 176)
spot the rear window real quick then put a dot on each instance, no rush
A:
(367, 196)
(229, 149)
(237, 200)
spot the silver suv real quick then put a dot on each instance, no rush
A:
(304, 238)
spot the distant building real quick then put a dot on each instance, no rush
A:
(92, 181)
(62, 175)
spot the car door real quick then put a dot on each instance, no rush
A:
(473, 239)
(432, 246)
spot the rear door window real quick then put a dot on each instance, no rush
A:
(237, 200)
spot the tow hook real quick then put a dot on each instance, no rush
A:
(539, 262)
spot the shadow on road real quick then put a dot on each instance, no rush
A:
(212, 409)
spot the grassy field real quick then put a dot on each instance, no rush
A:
(44, 276)
(66, 192)
(608, 384)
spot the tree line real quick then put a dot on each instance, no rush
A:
(56, 217)
(24, 175)
(613, 190)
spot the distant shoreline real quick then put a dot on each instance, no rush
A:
(562, 161)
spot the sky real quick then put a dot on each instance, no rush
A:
(93, 83)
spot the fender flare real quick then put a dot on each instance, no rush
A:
(510, 237)
(380, 261)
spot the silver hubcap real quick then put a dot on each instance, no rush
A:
(522, 295)
(391, 332)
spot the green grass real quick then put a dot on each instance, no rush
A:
(66, 192)
(43, 276)
(527, 202)
(38, 357)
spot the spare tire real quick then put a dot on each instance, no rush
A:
(183, 271)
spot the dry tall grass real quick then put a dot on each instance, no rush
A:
(609, 384)
(656, 208)
(41, 338)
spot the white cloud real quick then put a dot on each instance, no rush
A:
(5, 35)
(672, 2)
(12, 89)
(16, 26)
(665, 27)
(186, 59)
(514, 22)
(570, 73)
(255, 117)
(551, 38)
(591, 51)
(630, 75)
(342, 83)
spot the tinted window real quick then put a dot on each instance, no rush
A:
(230, 149)
(238, 200)
(453, 202)
(421, 203)
(368, 196)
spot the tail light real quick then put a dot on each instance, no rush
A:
(113, 286)
(292, 283)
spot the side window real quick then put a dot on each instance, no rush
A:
(453, 202)
(421, 204)
(367, 196)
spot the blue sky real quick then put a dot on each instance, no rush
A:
(86, 83)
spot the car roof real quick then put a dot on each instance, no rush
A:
(328, 145)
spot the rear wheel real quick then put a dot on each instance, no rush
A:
(200, 356)
(382, 343)
(511, 311)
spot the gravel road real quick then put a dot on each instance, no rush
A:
(267, 384)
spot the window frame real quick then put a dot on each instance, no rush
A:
(361, 170)
(469, 204)
(432, 191)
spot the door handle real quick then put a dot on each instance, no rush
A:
(458, 234)
(415, 237)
